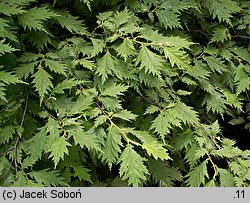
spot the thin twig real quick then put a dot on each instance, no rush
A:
(241, 36)
(18, 137)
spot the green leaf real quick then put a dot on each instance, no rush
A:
(114, 90)
(110, 103)
(242, 79)
(183, 140)
(34, 18)
(37, 144)
(112, 149)
(156, 150)
(26, 69)
(151, 145)
(120, 18)
(42, 82)
(180, 113)
(64, 85)
(222, 9)
(105, 66)
(226, 178)
(10, 9)
(125, 115)
(57, 146)
(199, 72)
(82, 173)
(152, 109)
(6, 134)
(48, 178)
(88, 3)
(242, 53)
(162, 124)
(177, 57)
(28, 57)
(150, 61)
(100, 120)
(71, 23)
(5, 30)
(132, 166)
(227, 152)
(84, 139)
(86, 63)
(233, 100)
(168, 19)
(215, 102)
(8, 78)
(215, 64)
(40, 39)
(163, 173)
(191, 154)
(196, 177)
(2, 93)
(178, 42)
(82, 104)
(186, 113)
(126, 49)
(21, 180)
(56, 66)
(98, 46)
(5, 48)
(220, 34)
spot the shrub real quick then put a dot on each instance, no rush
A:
(124, 93)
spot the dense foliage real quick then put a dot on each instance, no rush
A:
(124, 92)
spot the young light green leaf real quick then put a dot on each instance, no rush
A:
(151, 145)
